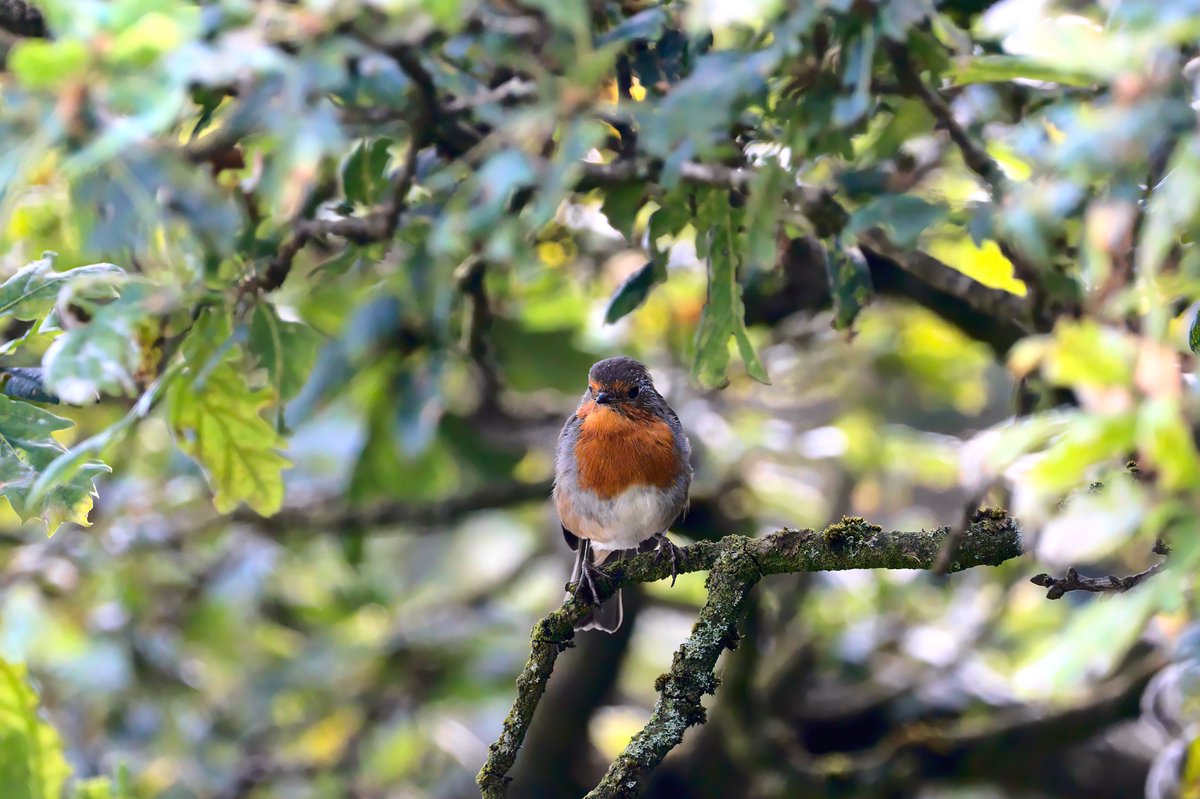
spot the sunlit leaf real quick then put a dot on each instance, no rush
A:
(30, 293)
(103, 354)
(27, 447)
(41, 64)
(32, 765)
(1000, 68)
(216, 418)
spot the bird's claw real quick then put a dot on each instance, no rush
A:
(668, 546)
(585, 589)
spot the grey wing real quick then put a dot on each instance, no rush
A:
(564, 468)
(681, 440)
(564, 461)
(684, 483)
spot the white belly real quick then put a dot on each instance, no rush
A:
(621, 522)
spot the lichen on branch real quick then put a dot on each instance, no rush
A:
(735, 565)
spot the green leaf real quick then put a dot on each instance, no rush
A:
(216, 419)
(382, 469)
(634, 291)
(287, 350)
(621, 205)
(1000, 68)
(905, 216)
(1171, 210)
(364, 177)
(724, 316)
(32, 765)
(1086, 353)
(30, 293)
(41, 64)
(645, 25)
(856, 78)
(1165, 439)
(70, 464)
(150, 37)
(27, 448)
(763, 209)
(1091, 440)
(668, 220)
(103, 354)
(849, 283)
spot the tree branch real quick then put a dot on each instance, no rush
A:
(735, 564)
(816, 203)
(1074, 581)
(429, 515)
(995, 316)
(992, 303)
(977, 160)
(975, 157)
(964, 747)
(378, 225)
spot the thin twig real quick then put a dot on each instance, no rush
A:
(971, 513)
(1074, 581)
(975, 157)
(378, 225)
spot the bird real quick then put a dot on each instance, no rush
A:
(622, 474)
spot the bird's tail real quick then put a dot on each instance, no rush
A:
(608, 614)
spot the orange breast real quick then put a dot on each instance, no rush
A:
(616, 452)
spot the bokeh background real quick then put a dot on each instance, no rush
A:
(379, 215)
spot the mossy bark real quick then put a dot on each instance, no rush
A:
(735, 564)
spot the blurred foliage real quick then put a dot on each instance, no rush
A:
(297, 294)
(32, 764)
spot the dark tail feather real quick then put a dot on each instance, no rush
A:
(608, 614)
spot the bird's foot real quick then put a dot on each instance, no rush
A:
(585, 588)
(667, 546)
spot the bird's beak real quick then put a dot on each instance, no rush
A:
(605, 398)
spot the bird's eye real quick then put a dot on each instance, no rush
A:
(633, 392)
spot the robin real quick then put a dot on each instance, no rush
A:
(622, 473)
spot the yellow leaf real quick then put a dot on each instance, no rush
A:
(985, 264)
(552, 254)
(637, 91)
(218, 424)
